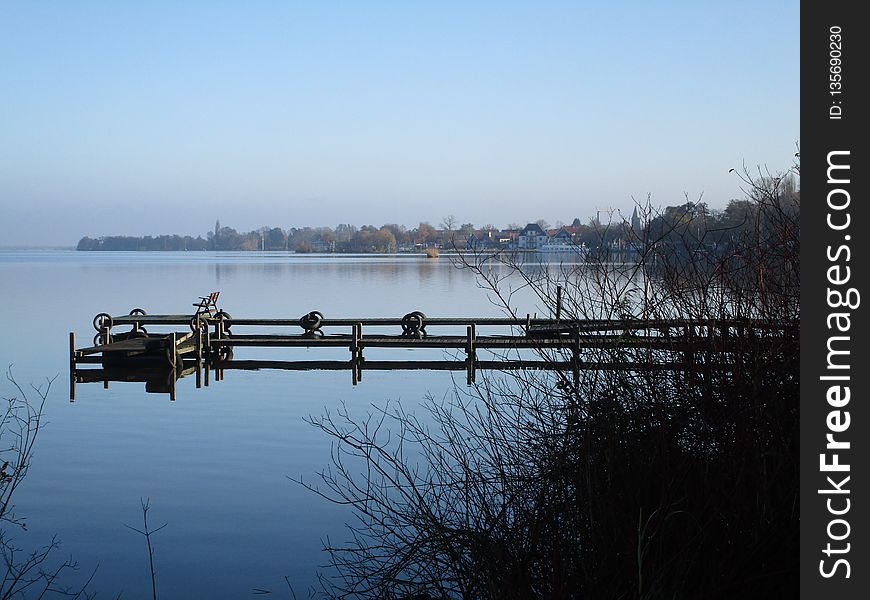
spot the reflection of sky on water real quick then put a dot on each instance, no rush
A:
(215, 462)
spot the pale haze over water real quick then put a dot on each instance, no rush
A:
(162, 117)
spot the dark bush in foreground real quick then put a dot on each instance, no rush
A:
(642, 483)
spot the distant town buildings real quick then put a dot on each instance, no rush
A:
(390, 238)
(532, 237)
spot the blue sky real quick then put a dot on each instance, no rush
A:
(159, 117)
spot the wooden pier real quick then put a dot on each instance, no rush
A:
(207, 342)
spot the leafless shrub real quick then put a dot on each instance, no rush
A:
(673, 477)
(27, 573)
(147, 532)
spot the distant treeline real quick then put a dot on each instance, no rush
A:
(161, 242)
(344, 238)
(714, 229)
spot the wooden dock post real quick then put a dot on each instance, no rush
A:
(72, 366)
(473, 353)
(558, 303)
(689, 354)
(198, 343)
(214, 354)
(359, 352)
(711, 340)
(575, 355)
(105, 340)
(197, 340)
(471, 374)
(354, 343)
(219, 332)
(173, 352)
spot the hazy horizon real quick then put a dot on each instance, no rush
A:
(129, 119)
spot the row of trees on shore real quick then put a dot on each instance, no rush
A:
(717, 227)
(342, 238)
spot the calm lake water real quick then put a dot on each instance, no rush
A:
(215, 463)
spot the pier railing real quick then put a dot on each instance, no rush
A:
(208, 342)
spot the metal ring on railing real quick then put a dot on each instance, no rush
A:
(312, 321)
(99, 341)
(197, 322)
(138, 331)
(422, 320)
(102, 320)
(223, 315)
(413, 324)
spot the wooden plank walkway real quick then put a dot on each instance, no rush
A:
(140, 345)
